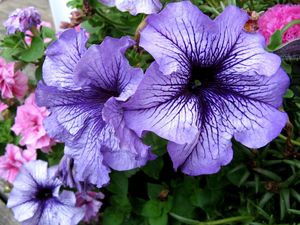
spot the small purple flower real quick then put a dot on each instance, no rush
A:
(135, 6)
(83, 90)
(211, 81)
(22, 20)
(35, 198)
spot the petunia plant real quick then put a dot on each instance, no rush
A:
(152, 112)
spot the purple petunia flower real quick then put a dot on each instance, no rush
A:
(83, 90)
(35, 198)
(22, 20)
(211, 81)
(135, 6)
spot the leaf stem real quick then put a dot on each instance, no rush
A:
(282, 137)
(215, 222)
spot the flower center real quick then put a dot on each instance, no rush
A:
(201, 77)
(44, 193)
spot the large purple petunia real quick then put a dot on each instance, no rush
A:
(135, 6)
(211, 81)
(35, 198)
(83, 89)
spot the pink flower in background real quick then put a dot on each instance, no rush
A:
(28, 33)
(12, 83)
(276, 18)
(11, 162)
(29, 124)
(3, 107)
(90, 202)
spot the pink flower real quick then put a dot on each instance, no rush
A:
(29, 124)
(3, 107)
(276, 18)
(13, 159)
(12, 83)
(91, 204)
(28, 33)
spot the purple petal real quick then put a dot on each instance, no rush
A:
(141, 6)
(62, 57)
(123, 150)
(106, 67)
(156, 106)
(71, 110)
(205, 155)
(248, 56)
(88, 159)
(178, 30)
(260, 125)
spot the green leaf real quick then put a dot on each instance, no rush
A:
(285, 194)
(56, 154)
(5, 133)
(153, 168)
(152, 208)
(161, 220)
(268, 174)
(289, 94)
(121, 202)
(48, 32)
(34, 52)
(206, 199)
(294, 211)
(112, 216)
(158, 145)
(275, 40)
(154, 190)
(118, 183)
(267, 196)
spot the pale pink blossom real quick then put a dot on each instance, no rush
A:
(90, 201)
(29, 125)
(3, 107)
(276, 18)
(11, 162)
(28, 33)
(12, 83)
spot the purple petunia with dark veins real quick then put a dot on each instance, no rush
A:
(83, 89)
(211, 81)
(35, 198)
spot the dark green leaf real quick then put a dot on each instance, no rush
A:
(152, 208)
(112, 216)
(161, 220)
(153, 168)
(275, 40)
(34, 52)
(118, 183)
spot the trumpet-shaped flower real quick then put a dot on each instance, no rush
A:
(135, 6)
(83, 90)
(35, 198)
(211, 81)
